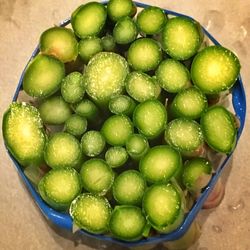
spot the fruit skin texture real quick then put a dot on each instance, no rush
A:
(132, 222)
(191, 38)
(192, 136)
(150, 118)
(69, 177)
(76, 125)
(190, 103)
(43, 76)
(164, 215)
(122, 8)
(215, 69)
(125, 31)
(54, 110)
(73, 87)
(160, 164)
(129, 188)
(172, 76)
(155, 24)
(85, 204)
(116, 130)
(227, 120)
(63, 150)
(91, 24)
(22, 125)
(88, 47)
(59, 42)
(149, 53)
(101, 86)
(97, 176)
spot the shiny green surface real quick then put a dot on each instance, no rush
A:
(23, 133)
(97, 176)
(91, 213)
(59, 187)
(219, 128)
(144, 54)
(43, 76)
(59, 42)
(215, 69)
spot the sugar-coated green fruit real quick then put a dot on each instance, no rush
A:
(215, 69)
(141, 86)
(73, 87)
(62, 150)
(162, 204)
(189, 103)
(91, 213)
(184, 135)
(59, 187)
(151, 20)
(92, 143)
(181, 37)
(144, 54)
(116, 156)
(127, 223)
(160, 164)
(116, 130)
(125, 31)
(108, 43)
(150, 118)
(219, 129)
(196, 173)
(97, 176)
(87, 109)
(54, 110)
(129, 188)
(122, 105)
(89, 19)
(88, 47)
(120, 8)
(43, 76)
(76, 125)
(105, 76)
(23, 133)
(59, 42)
(173, 226)
(137, 146)
(172, 76)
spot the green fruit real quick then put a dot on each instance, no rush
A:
(88, 47)
(89, 19)
(144, 54)
(73, 87)
(59, 42)
(54, 110)
(43, 76)
(59, 187)
(24, 134)
(215, 69)
(91, 213)
(105, 76)
(63, 150)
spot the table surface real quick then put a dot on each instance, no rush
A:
(22, 224)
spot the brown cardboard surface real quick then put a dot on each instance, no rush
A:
(21, 223)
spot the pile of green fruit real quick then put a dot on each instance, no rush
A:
(123, 115)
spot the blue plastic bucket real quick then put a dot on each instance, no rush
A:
(63, 220)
